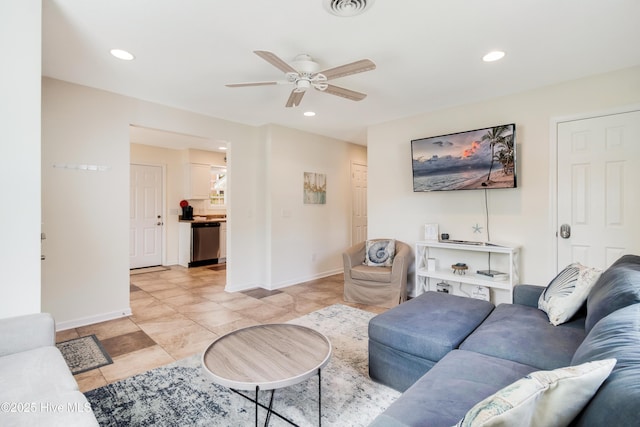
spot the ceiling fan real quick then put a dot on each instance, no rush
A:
(303, 74)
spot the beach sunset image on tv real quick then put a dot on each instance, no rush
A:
(476, 159)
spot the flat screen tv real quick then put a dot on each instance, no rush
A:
(470, 160)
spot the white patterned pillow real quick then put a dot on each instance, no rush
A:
(380, 253)
(542, 398)
(566, 293)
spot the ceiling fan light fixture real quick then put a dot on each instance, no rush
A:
(302, 85)
(302, 79)
(347, 8)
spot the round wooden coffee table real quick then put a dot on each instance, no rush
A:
(267, 357)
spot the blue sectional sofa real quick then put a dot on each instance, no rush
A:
(447, 353)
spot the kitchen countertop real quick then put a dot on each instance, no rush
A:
(197, 220)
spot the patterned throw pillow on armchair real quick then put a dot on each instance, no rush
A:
(380, 252)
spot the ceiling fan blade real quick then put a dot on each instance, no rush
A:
(252, 84)
(345, 93)
(348, 69)
(294, 98)
(274, 60)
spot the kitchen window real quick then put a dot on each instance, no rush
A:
(218, 188)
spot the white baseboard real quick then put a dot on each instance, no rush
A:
(274, 286)
(305, 279)
(84, 321)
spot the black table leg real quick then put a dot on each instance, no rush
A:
(319, 398)
(257, 390)
(270, 410)
(270, 407)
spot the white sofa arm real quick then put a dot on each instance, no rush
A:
(26, 332)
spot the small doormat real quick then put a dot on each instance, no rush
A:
(84, 354)
(147, 270)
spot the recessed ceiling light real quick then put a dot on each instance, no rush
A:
(122, 54)
(222, 148)
(493, 56)
(309, 113)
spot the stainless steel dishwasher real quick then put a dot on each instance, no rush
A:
(205, 243)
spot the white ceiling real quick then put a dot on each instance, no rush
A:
(428, 53)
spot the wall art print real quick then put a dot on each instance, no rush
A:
(315, 188)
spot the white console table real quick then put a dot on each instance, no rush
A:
(481, 256)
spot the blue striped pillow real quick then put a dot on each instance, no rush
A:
(566, 293)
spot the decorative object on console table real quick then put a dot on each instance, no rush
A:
(459, 268)
(431, 232)
(481, 292)
(443, 287)
(494, 274)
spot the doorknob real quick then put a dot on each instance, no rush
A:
(565, 231)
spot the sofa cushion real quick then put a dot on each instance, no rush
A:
(41, 378)
(566, 293)
(523, 334)
(394, 368)
(430, 325)
(617, 287)
(445, 393)
(371, 274)
(527, 294)
(379, 252)
(45, 369)
(21, 333)
(542, 398)
(615, 336)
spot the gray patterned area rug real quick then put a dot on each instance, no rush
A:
(84, 354)
(180, 394)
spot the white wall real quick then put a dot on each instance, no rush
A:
(85, 278)
(20, 157)
(86, 216)
(306, 240)
(521, 215)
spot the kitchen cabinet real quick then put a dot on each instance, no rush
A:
(223, 242)
(184, 243)
(198, 179)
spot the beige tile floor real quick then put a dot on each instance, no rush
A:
(179, 311)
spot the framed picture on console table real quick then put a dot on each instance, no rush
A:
(431, 232)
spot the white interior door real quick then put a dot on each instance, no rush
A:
(145, 239)
(598, 198)
(358, 203)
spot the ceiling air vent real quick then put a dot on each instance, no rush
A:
(347, 7)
